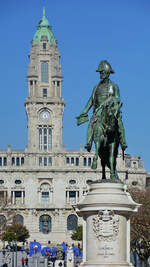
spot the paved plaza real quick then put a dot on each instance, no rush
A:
(36, 261)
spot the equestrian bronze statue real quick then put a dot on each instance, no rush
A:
(105, 127)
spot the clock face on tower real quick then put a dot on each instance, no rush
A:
(44, 115)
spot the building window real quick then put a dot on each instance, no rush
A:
(134, 164)
(67, 161)
(77, 161)
(17, 194)
(5, 161)
(18, 197)
(0, 161)
(17, 161)
(22, 161)
(50, 161)
(13, 161)
(89, 181)
(72, 161)
(84, 161)
(40, 161)
(45, 193)
(58, 83)
(44, 92)
(18, 219)
(89, 161)
(49, 138)
(45, 161)
(40, 138)
(72, 222)
(31, 82)
(134, 183)
(1, 181)
(44, 72)
(72, 197)
(18, 182)
(45, 138)
(45, 224)
(44, 45)
(72, 182)
(45, 197)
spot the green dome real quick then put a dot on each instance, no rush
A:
(44, 28)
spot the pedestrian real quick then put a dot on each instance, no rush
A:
(26, 261)
(22, 261)
(35, 249)
(4, 252)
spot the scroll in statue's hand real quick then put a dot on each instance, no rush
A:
(82, 118)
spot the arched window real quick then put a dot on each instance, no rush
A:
(2, 222)
(72, 181)
(89, 181)
(45, 224)
(18, 219)
(44, 72)
(18, 182)
(72, 222)
(45, 193)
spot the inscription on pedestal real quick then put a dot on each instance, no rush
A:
(106, 250)
(106, 225)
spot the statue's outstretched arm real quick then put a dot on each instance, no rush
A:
(83, 117)
(87, 106)
(89, 103)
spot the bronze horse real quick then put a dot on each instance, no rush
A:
(106, 136)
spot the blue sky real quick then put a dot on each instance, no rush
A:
(87, 31)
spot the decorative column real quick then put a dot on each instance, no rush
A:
(5, 196)
(67, 197)
(76, 197)
(55, 88)
(39, 196)
(13, 198)
(106, 211)
(22, 198)
(51, 196)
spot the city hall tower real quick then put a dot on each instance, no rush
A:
(44, 104)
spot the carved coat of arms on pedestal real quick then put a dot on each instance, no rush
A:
(106, 225)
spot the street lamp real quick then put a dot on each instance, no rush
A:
(16, 252)
(14, 246)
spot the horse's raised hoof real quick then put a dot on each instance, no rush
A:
(94, 165)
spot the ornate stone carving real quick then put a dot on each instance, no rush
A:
(106, 225)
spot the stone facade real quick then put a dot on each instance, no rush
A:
(44, 181)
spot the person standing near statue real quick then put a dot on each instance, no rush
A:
(101, 93)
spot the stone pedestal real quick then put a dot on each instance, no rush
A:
(106, 213)
(70, 257)
(59, 263)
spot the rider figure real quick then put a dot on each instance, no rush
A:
(101, 92)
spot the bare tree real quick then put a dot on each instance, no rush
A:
(140, 224)
(7, 214)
